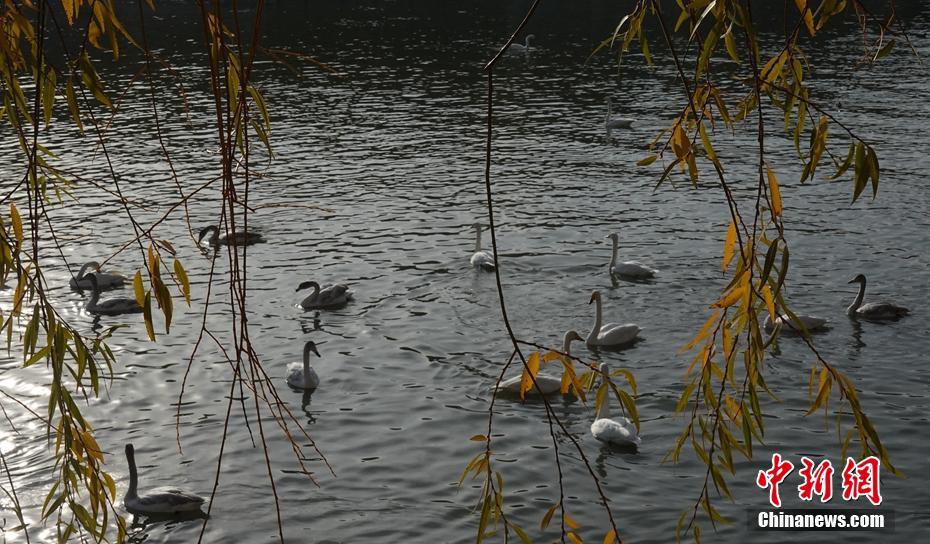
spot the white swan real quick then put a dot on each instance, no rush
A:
(111, 306)
(329, 297)
(611, 122)
(482, 260)
(611, 334)
(811, 323)
(628, 269)
(302, 375)
(618, 432)
(546, 384)
(161, 500)
(516, 48)
(105, 280)
(239, 237)
(873, 310)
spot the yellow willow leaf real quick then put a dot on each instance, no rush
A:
(775, 192)
(570, 521)
(702, 334)
(727, 342)
(90, 445)
(550, 356)
(769, 302)
(610, 537)
(138, 289)
(574, 538)
(185, 282)
(529, 373)
(731, 298)
(17, 222)
(548, 517)
(808, 16)
(479, 438)
(728, 246)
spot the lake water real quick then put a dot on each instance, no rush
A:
(378, 179)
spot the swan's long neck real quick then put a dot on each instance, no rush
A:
(526, 43)
(858, 302)
(609, 112)
(306, 375)
(613, 256)
(84, 268)
(94, 297)
(133, 476)
(567, 345)
(477, 240)
(597, 322)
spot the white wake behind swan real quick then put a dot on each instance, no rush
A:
(611, 334)
(629, 269)
(161, 500)
(105, 280)
(332, 296)
(878, 311)
(618, 432)
(302, 375)
(481, 259)
(546, 384)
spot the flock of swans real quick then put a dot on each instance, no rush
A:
(621, 431)
(301, 375)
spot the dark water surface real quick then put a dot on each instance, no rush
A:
(392, 155)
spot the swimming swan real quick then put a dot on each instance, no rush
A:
(618, 432)
(329, 297)
(873, 310)
(628, 269)
(546, 384)
(482, 260)
(811, 323)
(611, 334)
(105, 280)
(524, 49)
(161, 500)
(239, 238)
(302, 375)
(111, 306)
(611, 122)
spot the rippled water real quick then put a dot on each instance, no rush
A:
(377, 181)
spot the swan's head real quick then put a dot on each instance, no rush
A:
(530, 37)
(203, 232)
(613, 236)
(311, 346)
(603, 369)
(858, 279)
(93, 280)
(477, 227)
(308, 285)
(572, 335)
(596, 295)
(130, 451)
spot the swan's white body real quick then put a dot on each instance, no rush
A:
(611, 122)
(518, 49)
(239, 238)
(618, 432)
(628, 269)
(161, 500)
(302, 375)
(546, 384)
(105, 280)
(482, 260)
(877, 311)
(811, 323)
(111, 306)
(332, 296)
(611, 334)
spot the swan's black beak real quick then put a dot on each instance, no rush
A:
(854, 280)
(592, 299)
(313, 349)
